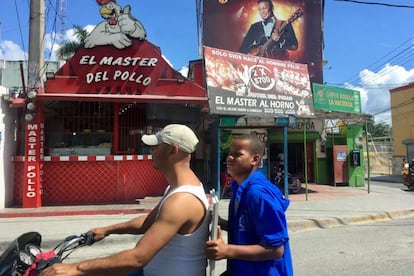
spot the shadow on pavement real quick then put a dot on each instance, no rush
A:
(387, 178)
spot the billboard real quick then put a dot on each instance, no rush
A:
(332, 98)
(241, 84)
(291, 30)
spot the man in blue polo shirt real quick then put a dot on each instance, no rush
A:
(258, 240)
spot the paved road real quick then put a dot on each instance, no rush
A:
(321, 206)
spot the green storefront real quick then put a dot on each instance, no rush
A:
(341, 149)
(331, 144)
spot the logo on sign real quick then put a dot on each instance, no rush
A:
(262, 77)
(117, 28)
(341, 156)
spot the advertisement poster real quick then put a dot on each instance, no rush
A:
(331, 98)
(287, 30)
(240, 84)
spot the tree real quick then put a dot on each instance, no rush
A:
(380, 129)
(68, 49)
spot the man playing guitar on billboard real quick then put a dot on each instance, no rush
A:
(271, 37)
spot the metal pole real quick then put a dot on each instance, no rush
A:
(333, 144)
(199, 7)
(306, 158)
(285, 160)
(36, 43)
(218, 143)
(367, 146)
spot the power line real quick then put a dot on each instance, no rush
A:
(403, 55)
(20, 29)
(378, 3)
(388, 58)
(397, 59)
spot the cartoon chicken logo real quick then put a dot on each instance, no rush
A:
(117, 28)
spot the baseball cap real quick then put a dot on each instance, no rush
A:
(173, 134)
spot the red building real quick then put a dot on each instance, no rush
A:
(81, 133)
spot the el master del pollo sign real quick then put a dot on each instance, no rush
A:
(109, 70)
(124, 68)
(239, 84)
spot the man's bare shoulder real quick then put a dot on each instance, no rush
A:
(182, 201)
(184, 210)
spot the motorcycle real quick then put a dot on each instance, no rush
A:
(410, 182)
(25, 257)
(294, 184)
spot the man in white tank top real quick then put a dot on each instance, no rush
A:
(175, 231)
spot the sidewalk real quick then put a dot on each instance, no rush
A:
(323, 206)
(329, 206)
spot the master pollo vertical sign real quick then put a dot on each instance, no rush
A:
(33, 169)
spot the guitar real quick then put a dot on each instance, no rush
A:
(261, 48)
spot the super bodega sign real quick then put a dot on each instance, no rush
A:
(239, 84)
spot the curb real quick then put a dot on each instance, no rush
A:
(75, 213)
(309, 224)
(294, 226)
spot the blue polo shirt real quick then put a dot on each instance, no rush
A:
(257, 216)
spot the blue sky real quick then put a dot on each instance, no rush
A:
(368, 47)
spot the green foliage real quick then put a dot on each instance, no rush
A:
(380, 129)
(68, 49)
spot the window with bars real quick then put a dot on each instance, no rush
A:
(78, 128)
(92, 128)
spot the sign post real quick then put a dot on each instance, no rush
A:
(286, 122)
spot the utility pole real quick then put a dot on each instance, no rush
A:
(36, 43)
(34, 128)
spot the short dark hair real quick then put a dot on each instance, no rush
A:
(256, 145)
(267, 1)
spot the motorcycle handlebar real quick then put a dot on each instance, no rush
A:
(75, 241)
(89, 238)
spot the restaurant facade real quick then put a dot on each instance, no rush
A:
(78, 136)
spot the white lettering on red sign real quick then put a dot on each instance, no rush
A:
(42, 150)
(124, 75)
(120, 61)
(32, 127)
(31, 174)
(118, 75)
(31, 157)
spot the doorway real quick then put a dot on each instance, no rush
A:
(295, 159)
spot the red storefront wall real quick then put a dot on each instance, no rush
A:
(93, 182)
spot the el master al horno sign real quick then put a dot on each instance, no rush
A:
(240, 84)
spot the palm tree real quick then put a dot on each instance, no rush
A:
(68, 49)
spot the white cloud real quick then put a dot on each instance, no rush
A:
(89, 28)
(375, 95)
(11, 51)
(53, 41)
(184, 71)
(51, 46)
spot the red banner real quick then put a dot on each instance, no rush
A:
(33, 165)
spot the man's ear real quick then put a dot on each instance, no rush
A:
(174, 149)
